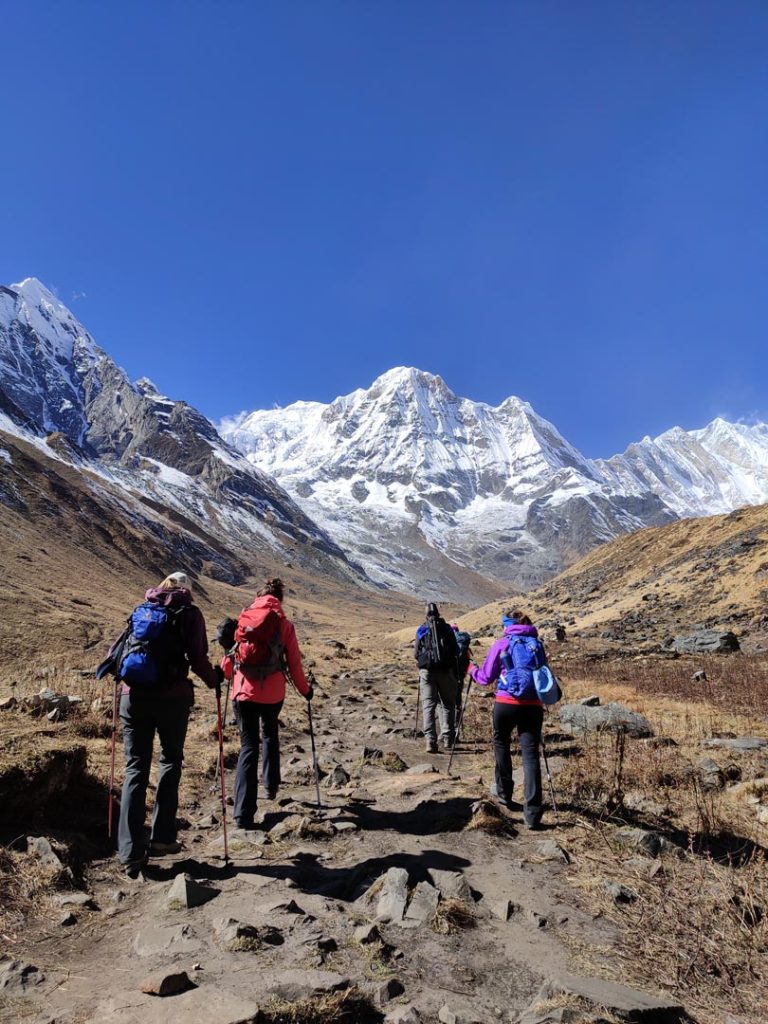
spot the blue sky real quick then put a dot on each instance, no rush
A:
(255, 202)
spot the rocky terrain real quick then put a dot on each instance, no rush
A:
(408, 896)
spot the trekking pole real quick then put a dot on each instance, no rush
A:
(215, 785)
(315, 765)
(314, 754)
(112, 762)
(549, 779)
(221, 774)
(459, 724)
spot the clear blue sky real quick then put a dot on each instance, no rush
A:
(265, 201)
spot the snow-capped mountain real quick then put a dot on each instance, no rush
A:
(61, 391)
(410, 479)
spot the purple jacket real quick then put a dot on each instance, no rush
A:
(492, 667)
(195, 641)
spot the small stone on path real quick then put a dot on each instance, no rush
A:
(16, 976)
(166, 983)
(367, 933)
(549, 850)
(187, 893)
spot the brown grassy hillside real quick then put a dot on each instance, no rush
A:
(659, 582)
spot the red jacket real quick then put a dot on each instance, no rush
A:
(272, 689)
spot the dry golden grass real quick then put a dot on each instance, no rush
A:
(453, 916)
(347, 1007)
(489, 818)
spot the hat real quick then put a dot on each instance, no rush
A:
(176, 581)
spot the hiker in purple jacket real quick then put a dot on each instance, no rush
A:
(164, 709)
(518, 708)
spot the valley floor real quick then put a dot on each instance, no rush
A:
(310, 922)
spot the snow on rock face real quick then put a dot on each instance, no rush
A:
(55, 381)
(408, 466)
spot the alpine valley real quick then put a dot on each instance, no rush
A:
(402, 486)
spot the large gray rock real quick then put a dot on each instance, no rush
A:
(743, 744)
(17, 978)
(604, 718)
(186, 893)
(423, 905)
(452, 884)
(706, 641)
(394, 896)
(627, 1004)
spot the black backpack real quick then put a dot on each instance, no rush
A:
(435, 645)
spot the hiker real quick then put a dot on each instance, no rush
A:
(437, 653)
(510, 664)
(464, 644)
(265, 642)
(157, 696)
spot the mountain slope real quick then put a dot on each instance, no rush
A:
(57, 384)
(409, 478)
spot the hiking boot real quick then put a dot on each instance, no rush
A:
(505, 801)
(133, 868)
(161, 849)
(534, 826)
(246, 826)
(271, 794)
(431, 747)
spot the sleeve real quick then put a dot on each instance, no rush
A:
(490, 670)
(293, 656)
(197, 647)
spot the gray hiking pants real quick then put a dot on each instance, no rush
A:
(143, 715)
(439, 691)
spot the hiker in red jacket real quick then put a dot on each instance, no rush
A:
(265, 642)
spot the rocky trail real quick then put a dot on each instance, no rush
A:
(406, 897)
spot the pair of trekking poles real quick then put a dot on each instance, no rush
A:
(460, 725)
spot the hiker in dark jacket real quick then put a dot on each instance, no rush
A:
(517, 707)
(437, 653)
(164, 709)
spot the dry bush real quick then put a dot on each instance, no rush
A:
(347, 1007)
(452, 916)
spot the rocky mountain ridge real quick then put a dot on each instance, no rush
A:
(407, 472)
(62, 393)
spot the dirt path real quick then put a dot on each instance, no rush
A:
(314, 907)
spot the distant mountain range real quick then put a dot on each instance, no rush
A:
(406, 474)
(404, 484)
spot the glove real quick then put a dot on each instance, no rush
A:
(219, 672)
(309, 694)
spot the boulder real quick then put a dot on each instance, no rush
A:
(166, 983)
(365, 934)
(452, 884)
(549, 850)
(40, 848)
(613, 717)
(706, 641)
(393, 896)
(187, 893)
(383, 992)
(337, 778)
(624, 1003)
(741, 744)
(423, 904)
(619, 893)
(710, 774)
(17, 978)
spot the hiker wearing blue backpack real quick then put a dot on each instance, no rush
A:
(517, 664)
(165, 638)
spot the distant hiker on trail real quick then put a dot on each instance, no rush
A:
(166, 637)
(510, 664)
(437, 654)
(464, 644)
(265, 644)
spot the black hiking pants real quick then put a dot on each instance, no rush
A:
(250, 716)
(528, 722)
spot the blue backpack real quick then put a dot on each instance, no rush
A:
(522, 659)
(153, 653)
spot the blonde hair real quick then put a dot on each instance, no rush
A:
(176, 581)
